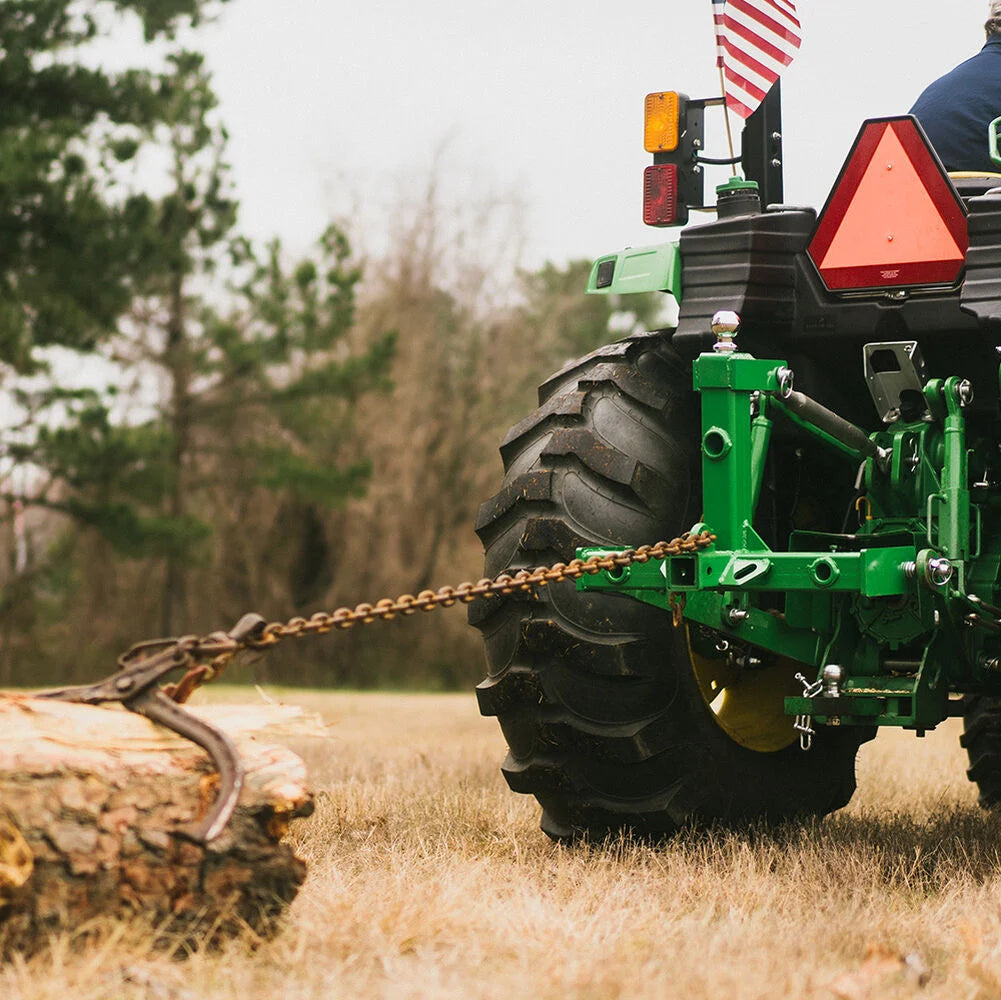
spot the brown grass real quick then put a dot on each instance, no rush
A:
(428, 878)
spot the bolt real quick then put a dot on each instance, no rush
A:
(776, 162)
(736, 616)
(785, 379)
(938, 571)
(964, 392)
(125, 683)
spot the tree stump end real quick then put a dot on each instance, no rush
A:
(94, 805)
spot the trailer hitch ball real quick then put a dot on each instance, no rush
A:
(832, 676)
(725, 325)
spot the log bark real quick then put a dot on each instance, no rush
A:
(93, 805)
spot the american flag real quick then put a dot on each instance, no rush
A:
(755, 41)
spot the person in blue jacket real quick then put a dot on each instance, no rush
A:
(956, 109)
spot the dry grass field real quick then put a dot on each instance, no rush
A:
(428, 878)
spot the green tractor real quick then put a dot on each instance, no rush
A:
(824, 418)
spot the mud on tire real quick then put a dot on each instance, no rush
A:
(605, 722)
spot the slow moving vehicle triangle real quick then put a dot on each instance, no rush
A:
(894, 218)
(891, 219)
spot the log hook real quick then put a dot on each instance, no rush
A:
(136, 686)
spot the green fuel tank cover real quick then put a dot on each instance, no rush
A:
(638, 269)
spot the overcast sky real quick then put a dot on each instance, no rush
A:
(332, 105)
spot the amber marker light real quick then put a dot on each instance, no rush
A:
(661, 122)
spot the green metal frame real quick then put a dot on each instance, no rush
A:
(638, 269)
(992, 140)
(891, 605)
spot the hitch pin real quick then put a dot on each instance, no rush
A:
(677, 605)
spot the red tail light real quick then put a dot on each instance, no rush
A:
(660, 194)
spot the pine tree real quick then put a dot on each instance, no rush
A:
(253, 388)
(287, 376)
(249, 351)
(68, 256)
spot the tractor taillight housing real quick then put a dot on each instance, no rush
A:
(662, 122)
(660, 194)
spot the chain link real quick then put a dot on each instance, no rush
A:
(465, 593)
(213, 652)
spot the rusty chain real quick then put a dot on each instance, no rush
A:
(211, 653)
(141, 669)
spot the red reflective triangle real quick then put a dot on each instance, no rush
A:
(893, 218)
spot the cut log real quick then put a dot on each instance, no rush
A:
(94, 804)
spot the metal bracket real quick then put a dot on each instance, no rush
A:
(895, 374)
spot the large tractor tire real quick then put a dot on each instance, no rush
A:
(982, 740)
(612, 722)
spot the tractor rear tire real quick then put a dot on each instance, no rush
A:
(982, 740)
(605, 720)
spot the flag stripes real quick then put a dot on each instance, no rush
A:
(755, 41)
(718, 6)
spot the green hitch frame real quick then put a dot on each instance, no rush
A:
(841, 603)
